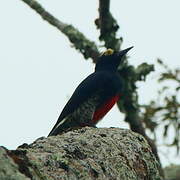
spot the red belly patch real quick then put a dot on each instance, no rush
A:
(104, 109)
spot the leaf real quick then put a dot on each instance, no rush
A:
(143, 70)
(159, 61)
(166, 127)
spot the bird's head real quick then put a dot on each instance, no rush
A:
(110, 60)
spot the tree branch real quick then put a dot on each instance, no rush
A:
(108, 26)
(128, 103)
(86, 47)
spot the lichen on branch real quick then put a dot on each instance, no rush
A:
(80, 42)
(108, 26)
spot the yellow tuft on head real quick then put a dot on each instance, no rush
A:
(108, 52)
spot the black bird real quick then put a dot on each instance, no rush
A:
(95, 95)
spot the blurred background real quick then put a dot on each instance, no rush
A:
(39, 68)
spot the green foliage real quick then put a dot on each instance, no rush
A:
(166, 109)
(129, 102)
(143, 70)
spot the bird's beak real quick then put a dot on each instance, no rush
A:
(124, 52)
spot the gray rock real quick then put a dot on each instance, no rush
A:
(87, 154)
(8, 168)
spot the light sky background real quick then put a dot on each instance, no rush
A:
(39, 69)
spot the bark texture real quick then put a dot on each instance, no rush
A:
(87, 153)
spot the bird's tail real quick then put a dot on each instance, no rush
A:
(63, 126)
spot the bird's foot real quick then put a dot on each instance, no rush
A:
(88, 124)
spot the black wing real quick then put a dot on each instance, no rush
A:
(94, 82)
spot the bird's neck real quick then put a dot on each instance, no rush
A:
(106, 70)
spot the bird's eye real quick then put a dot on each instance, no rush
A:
(108, 52)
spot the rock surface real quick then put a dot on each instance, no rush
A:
(87, 153)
